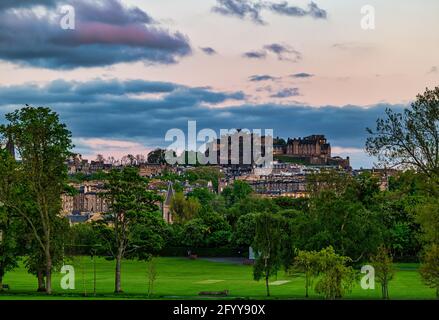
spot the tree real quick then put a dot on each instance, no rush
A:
(240, 190)
(245, 230)
(430, 268)
(130, 202)
(157, 156)
(35, 260)
(384, 270)
(100, 158)
(194, 233)
(43, 144)
(206, 174)
(203, 195)
(184, 209)
(8, 223)
(267, 245)
(308, 263)
(427, 215)
(411, 138)
(343, 222)
(337, 277)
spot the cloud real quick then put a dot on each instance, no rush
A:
(255, 55)
(91, 147)
(106, 32)
(302, 75)
(208, 50)
(119, 110)
(283, 52)
(286, 93)
(264, 77)
(240, 8)
(247, 9)
(285, 9)
(9, 4)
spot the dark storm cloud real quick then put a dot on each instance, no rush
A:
(109, 91)
(263, 77)
(208, 50)
(302, 75)
(247, 9)
(106, 33)
(117, 110)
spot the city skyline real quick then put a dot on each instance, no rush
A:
(131, 71)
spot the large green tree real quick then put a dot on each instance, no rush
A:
(43, 145)
(131, 208)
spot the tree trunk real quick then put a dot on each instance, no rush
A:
(41, 284)
(267, 285)
(306, 286)
(48, 274)
(118, 288)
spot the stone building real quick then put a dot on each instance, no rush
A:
(313, 150)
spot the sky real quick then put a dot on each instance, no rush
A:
(131, 70)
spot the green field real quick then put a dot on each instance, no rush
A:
(181, 278)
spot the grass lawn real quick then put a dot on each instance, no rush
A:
(181, 278)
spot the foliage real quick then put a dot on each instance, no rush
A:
(157, 156)
(203, 195)
(238, 191)
(43, 144)
(206, 173)
(131, 216)
(184, 209)
(409, 139)
(245, 230)
(267, 245)
(430, 268)
(307, 262)
(384, 271)
(9, 227)
(337, 277)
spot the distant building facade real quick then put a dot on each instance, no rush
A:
(314, 150)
